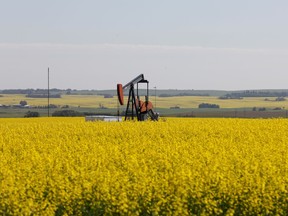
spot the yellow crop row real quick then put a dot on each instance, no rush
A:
(66, 166)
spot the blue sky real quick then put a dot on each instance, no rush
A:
(223, 44)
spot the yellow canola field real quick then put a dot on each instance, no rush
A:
(66, 166)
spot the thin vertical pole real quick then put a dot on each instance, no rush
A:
(155, 98)
(48, 94)
(147, 92)
(118, 110)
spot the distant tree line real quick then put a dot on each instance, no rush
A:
(208, 105)
(52, 106)
(57, 91)
(58, 113)
(107, 95)
(230, 96)
(182, 94)
(161, 93)
(261, 109)
(31, 114)
(255, 93)
(16, 91)
(280, 99)
(66, 113)
(31, 91)
(33, 95)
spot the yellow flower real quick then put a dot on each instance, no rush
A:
(67, 166)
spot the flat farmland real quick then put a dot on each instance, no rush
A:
(167, 106)
(194, 101)
(71, 100)
(93, 101)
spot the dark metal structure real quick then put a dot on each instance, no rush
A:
(142, 110)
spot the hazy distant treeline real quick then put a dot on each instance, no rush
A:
(255, 93)
(32, 91)
(43, 95)
(182, 94)
(152, 92)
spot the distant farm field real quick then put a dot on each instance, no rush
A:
(66, 166)
(87, 101)
(167, 106)
(92, 101)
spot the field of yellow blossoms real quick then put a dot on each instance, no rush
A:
(66, 166)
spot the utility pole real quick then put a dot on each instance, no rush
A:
(48, 95)
(155, 98)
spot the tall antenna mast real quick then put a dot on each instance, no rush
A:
(48, 94)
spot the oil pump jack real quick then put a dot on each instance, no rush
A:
(136, 107)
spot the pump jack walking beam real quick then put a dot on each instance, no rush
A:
(138, 79)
